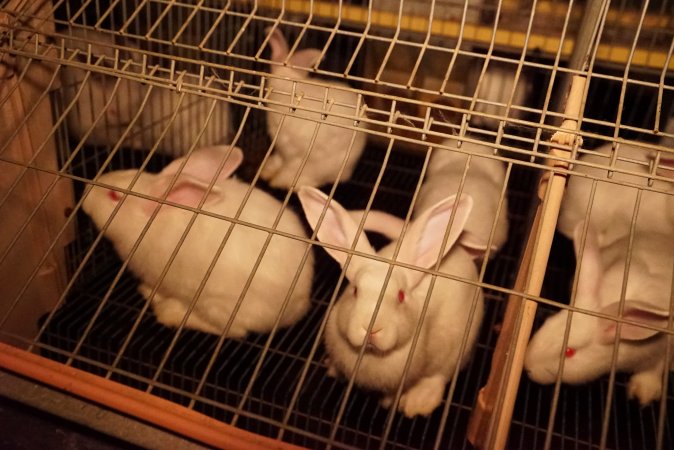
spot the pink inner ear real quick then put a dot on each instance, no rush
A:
(186, 194)
(305, 58)
(633, 332)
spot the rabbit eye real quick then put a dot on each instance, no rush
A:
(401, 296)
(569, 352)
(114, 196)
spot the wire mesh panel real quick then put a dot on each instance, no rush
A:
(364, 100)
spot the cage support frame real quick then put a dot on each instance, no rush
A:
(490, 421)
(133, 402)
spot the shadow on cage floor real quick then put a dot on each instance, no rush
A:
(578, 416)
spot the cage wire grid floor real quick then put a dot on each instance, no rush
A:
(364, 420)
(580, 410)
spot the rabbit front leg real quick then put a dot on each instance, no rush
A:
(273, 165)
(646, 385)
(145, 291)
(332, 370)
(423, 397)
(170, 312)
(322, 167)
(284, 177)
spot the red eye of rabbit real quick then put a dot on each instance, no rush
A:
(569, 352)
(114, 196)
(401, 296)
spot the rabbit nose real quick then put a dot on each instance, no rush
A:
(370, 337)
(373, 331)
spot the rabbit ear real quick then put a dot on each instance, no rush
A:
(306, 58)
(590, 274)
(380, 222)
(204, 162)
(421, 244)
(278, 44)
(186, 191)
(636, 311)
(476, 248)
(337, 228)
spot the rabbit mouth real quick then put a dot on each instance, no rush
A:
(371, 349)
(542, 375)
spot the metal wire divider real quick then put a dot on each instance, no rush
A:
(235, 359)
(88, 333)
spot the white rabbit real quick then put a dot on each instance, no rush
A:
(193, 113)
(390, 340)
(97, 90)
(263, 301)
(589, 351)
(127, 100)
(496, 87)
(614, 204)
(484, 183)
(294, 138)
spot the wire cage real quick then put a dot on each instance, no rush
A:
(560, 93)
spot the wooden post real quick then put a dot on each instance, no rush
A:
(490, 421)
(25, 127)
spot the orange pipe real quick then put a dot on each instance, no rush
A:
(139, 404)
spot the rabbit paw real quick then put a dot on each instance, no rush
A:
(235, 332)
(171, 312)
(423, 397)
(386, 401)
(645, 387)
(332, 371)
(271, 168)
(145, 291)
(283, 179)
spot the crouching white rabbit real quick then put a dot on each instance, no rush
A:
(614, 205)
(484, 182)
(91, 91)
(455, 308)
(123, 218)
(127, 97)
(588, 354)
(333, 142)
(496, 87)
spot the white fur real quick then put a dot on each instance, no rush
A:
(496, 87)
(436, 355)
(613, 206)
(294, 138)
(271, 282)
(127, 100)
(97, 90)
(484, 183)
(640, 351)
